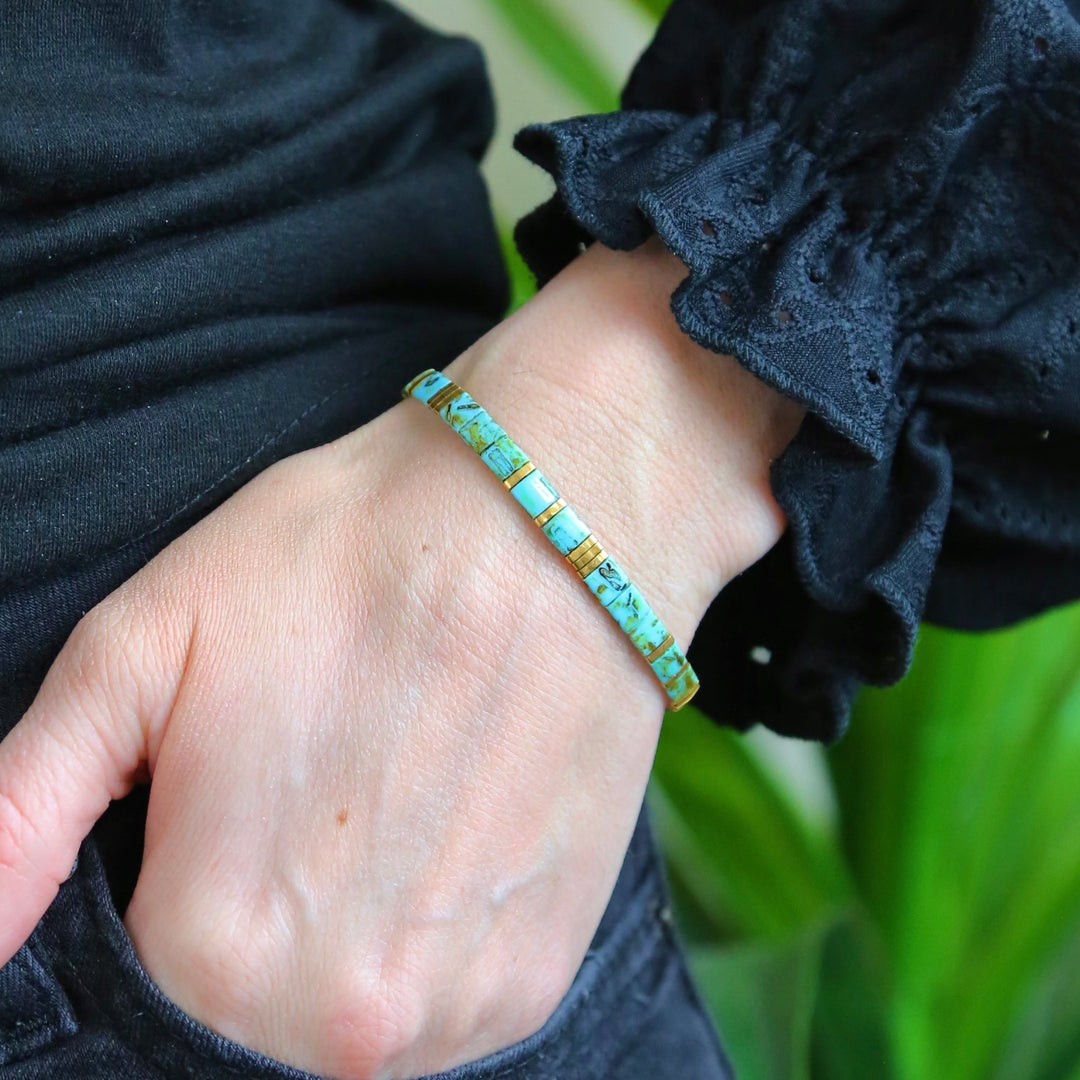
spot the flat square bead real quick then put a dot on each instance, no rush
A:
(648, 633)
(607, 581)
(667, 664)
(682, 687)
(431, 385)
(565, 530)
(481, 431)
(534, 493)
(628, 608)
(504, 456)
(460, 411)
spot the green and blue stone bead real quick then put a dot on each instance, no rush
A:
(569, 535)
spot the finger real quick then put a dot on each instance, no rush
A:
(80, 744)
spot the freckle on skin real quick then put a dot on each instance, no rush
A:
(343, 815)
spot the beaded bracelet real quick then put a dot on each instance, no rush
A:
(605, 579)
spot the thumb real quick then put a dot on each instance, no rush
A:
(81, 743)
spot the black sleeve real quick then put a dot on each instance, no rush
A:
(230, 230)
(879, 208)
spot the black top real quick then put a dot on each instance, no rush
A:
(879, 204)
(232, 230)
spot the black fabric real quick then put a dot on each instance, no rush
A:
(877, 201)
(241, 227)
(228, 232)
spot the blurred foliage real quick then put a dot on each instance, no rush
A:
(522, 283)
(932, 926)
(924, 923)
(552, 41)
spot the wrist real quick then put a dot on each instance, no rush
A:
(661, 446)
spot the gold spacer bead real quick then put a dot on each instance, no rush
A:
(519, 474)
(583, 552)
(587, 568)
(661, 649)
(545, 516)
(447, 393)
(413, 383)
(675, 706)
(587, 542)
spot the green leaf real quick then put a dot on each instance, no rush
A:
(653, 8)
(761, 997)
(735, 841)
(560, 49)
(849, 1028)
(1045, 1042)
(953, 790)
(522, 282)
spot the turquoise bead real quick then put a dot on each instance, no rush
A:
(648, 633)
(681, 689)
(607, 581)
(481, 431)
(629, 608)
(667, 664)
(534, 494)
(461, 412)
(565, 530)
(503, 456)
(432, 384)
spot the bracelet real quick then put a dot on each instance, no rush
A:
(605, 579)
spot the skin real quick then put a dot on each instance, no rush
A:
(377, 708)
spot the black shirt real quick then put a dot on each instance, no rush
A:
(233, 230)
(879, 206)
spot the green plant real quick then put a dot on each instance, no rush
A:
(932, 926)
(924, 919)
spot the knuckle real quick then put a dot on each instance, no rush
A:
(512, 999)
(372, 1023)
(97, 650)
(86, 644)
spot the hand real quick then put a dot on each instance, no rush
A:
(397, 751)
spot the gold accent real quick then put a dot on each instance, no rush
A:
(661, 649)
(447, 393)
(587, 568)
(545, 516)
(678, 674)
(584, 551)
(432, 402)
(413, 383)
(519, 474)
(675, 706)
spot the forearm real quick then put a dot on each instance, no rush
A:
(661, 446)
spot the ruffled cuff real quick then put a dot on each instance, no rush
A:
(917, 295)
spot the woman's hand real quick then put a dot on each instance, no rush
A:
(397, 751)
